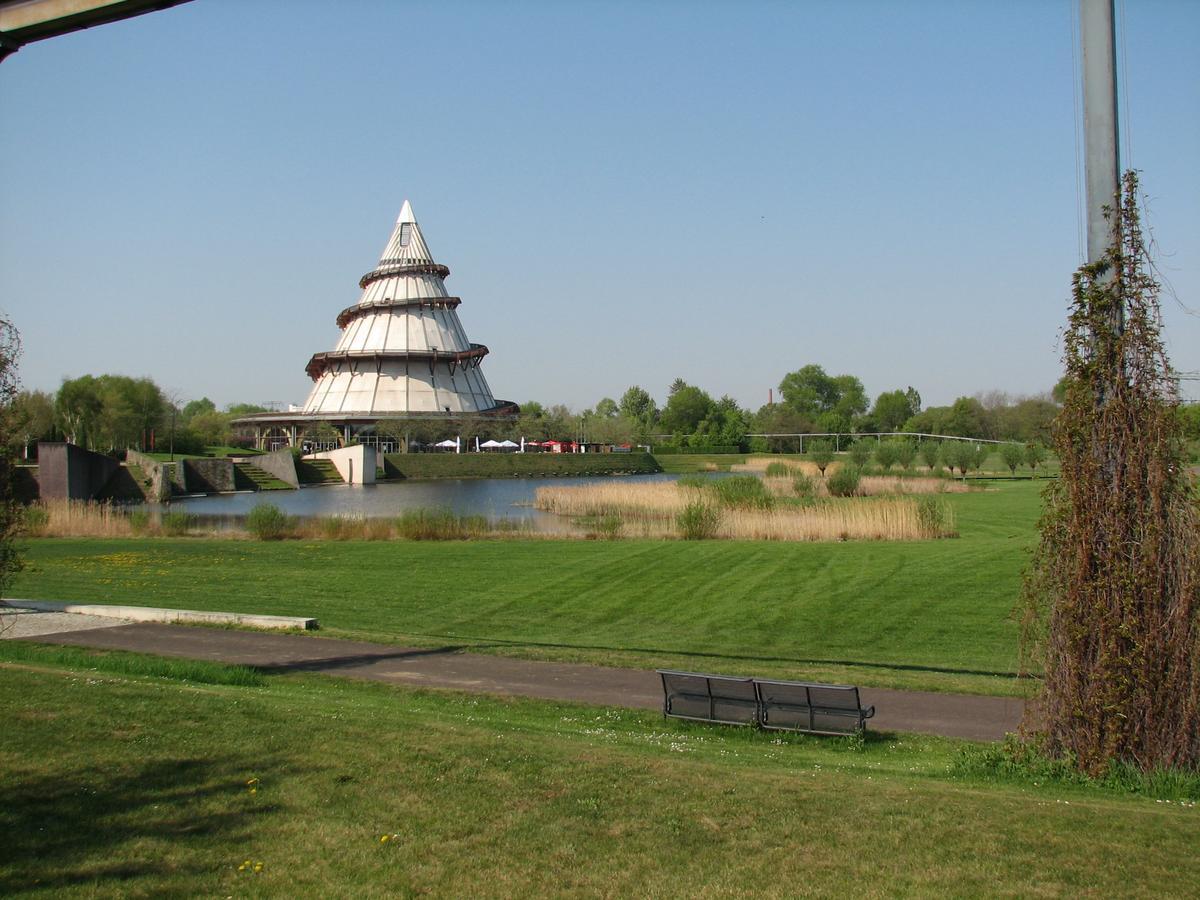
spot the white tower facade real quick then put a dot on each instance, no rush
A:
(403, 351)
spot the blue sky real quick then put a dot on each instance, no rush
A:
(625, 193)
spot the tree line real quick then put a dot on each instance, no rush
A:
(109, 413)
(117, 412)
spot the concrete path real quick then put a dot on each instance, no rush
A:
(20, 623)
(950, 715)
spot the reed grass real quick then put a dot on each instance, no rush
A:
(868, 486)
(77, 518)
(663, 509)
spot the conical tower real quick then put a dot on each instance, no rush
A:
(403, 351)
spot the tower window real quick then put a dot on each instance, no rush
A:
(405, 234)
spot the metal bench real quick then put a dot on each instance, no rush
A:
(709, 698)
(775, 705)
(818, 708)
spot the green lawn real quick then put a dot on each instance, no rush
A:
(932, 615)
(136, 785)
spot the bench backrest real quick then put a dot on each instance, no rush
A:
(709, 698)
(829, 708)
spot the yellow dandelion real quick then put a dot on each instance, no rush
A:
(385, 838)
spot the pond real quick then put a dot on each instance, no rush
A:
(496, 498)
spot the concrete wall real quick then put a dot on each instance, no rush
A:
(67, 472)
(279, 463)
(208, 476)
(355, 464)
(160, 488)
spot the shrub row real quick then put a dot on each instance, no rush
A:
(515, 465)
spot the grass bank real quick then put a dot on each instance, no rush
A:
(311, 787)
(929, 614)
(515, 465)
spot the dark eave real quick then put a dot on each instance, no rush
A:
(385, 270)
(350, 313)
(320, 362)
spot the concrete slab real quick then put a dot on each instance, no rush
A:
(23, 623)
(155, 614)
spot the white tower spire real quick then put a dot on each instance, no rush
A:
(402, 349)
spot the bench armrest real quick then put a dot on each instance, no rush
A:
(868, 712)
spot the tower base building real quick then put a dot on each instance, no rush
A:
(403, 359)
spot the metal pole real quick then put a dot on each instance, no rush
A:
(1096, 34)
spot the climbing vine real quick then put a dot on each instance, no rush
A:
(1110, 605)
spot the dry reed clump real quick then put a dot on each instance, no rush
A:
(653, 510)
(758, 465)
(77, 518)
(871, 486)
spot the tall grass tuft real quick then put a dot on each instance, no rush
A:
(778, 469)
(698, 521)
(175, 524)
(77, 518)
(844, 482)
(742, 492)
(267, 522)
(439, 525)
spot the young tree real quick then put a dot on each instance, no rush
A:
(958, 455)
(1035, 455)
(860, 451)
(1112, 612)
(820, 451)
(1013, 455)
(979, 456)
(931, 453)
(885, 455)
(906, 452)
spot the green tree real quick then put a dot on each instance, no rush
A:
(892, 409)
(607, 408)
(210, 427)
(33, 418)
(820, 451)
(1013, 455)
(1035, 455)
(686, 408)
(244, 409)
(860, 452)
(931, 453)
(194, 408)
(809, 391)
(958, 455)
(885, 455)
(779, 418)
(906, 452)
(78, 405)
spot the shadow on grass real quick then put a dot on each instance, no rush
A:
(91, 825)
(481, 643)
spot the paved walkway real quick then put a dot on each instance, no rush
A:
(951, 715)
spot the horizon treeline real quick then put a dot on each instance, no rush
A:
(117, 412)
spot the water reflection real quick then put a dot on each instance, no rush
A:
(496, 498)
